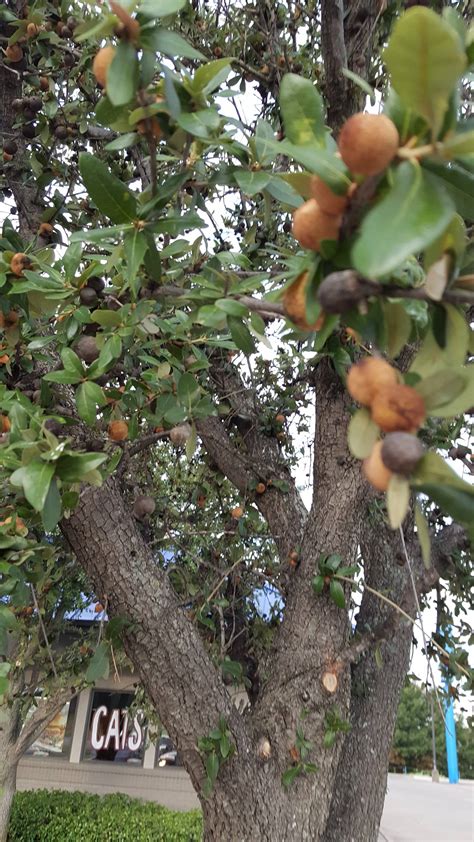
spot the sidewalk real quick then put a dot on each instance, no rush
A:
(417, 810)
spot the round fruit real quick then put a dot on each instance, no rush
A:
(118, 430)
(35, 103)
(237, 512)
(341, 291)
(367, 377)
(179, 435)
(44, 84)
(9, 319)
(294, 302)
(45, 229)
(280, 418)
(96, 283)
(7, 157)
(102, 61)
(98, 608)
(397, 408)
(311, 225)
(14, 53)
(260, 488)
(10, 147)
(401, 452)
(374, 469)
(60, 132)
(329, 202)
(368, 142)
(86, 348)
(32, 30)
(19, 263)
(88, 296)
(150, 126)
(143, 506)
(4, 423)
(29, 131)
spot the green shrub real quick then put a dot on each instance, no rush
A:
(57, 816)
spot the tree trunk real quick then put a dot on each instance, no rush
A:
(7, 791)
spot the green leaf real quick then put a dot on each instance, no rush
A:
(302, 110)
(241, 335)
(409, 217)
(112, 197)
(456, 502)
(65, 377)
(398, 498)
(423, 534)
(397, 327)
(265, 151)
(232, 307)
(458, 183)
(37, 476)
(200, 123)
(459, 145)
(97, 235)
(425, 58)
(319, 161)
(336, 592)
(211, 75)
(432, 469)
(73, 466)
(360, 82)
(89, 396)
(283, 192)
(51, 514)
(107, 318)
(135, 244)
(462, 402)
(161, 8)
(172, 44)
(110, 115)
(122, 142)
(432, 356)
(122, 75)
(362, 433)
(7, 618)
(318, 584)
(225, 746)
(290, 774)
(99, 663)
(441, 388)
(252, 182)
(212, 766)
(329, 739)
(71, 361)
(188, 389)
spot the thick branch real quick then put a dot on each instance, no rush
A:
(39, 719)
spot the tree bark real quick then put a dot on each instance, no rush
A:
(8, 772)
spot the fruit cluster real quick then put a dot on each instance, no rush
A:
(367, 145)
(397, 410)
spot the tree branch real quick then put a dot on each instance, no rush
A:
(41, 717)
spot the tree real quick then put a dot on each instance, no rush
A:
(152, 341)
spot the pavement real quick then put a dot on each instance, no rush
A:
(417, 810)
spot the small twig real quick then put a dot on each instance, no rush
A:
(43, 629)
(220, 582)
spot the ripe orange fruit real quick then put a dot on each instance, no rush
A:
(280, 418)
(118, 430)
(150, 125)
(98, 608)
(374, 469)
(4, 359)
(368, 142)
(367, 377)
(14, 53)
(4, 423)
(102, 61)
(237, 512)
(260, 488)
(311, 225)
(18, 263)
(32, 30)
(294, 302)
(329, 202)
(45, 229)
(398, 408)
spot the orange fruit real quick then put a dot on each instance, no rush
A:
(374, 469)
(329, 202)
(398, 408)
(311, 225)
(367, 377)
(102, 61)
(118, 430)
(368, 142)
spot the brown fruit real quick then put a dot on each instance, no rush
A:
(401, 452)
(32, 30)
(98, 608)
(143, 506)
(341, 291)
(367, 377)
(20, 525)
(368, 142)
(45, 229)
(149, 126)
(118, 430)
(10, 147)
(260, 488)
(179, 435)
(374, 469)
(311, 225)
(329, 202)
(88, 296)
(61, 132)
(7, 157)
(102, 61)
(280, 418)
(294, 302)
(9, 319)
(14, 53)
(19, 263)
(4, 423)
(86, 348)
(44, 83)
(96, 283)
(397, 408)
(4, 359)
(237, 512)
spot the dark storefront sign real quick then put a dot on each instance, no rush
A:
(113, 733)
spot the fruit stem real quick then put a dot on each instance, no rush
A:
(419, 151)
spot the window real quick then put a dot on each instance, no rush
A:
(55, 741)
(166, 754)
(113, 734)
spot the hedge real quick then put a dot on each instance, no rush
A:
(58, 816)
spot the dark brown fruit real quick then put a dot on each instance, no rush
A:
(14, 53)
(60, 132)
(96, 283)
(401, 452)
(29, 131)
(10, 147)
(341, 291)
(86, 348)
(143, 506)
(88, 296)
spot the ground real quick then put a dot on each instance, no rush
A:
(417, 810)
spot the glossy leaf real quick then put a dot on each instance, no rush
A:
(122, 75)
(398, 498)
(362, 433)
(318, 584)
(241, 335)
(318, 161)
(458, 183)
(37, 476)
(410, 216)
(302, 109)
(432, 470)
(432, 356)
(441, 387)
(336, 592)
(73, 466)
(52, 509)
(211, 75)
(199, 123)
(252, 182)
(425, 58)
(397, 327)
(455, 501)
(423, 534)
(89, 396)
(112, 197)
(135, 245)
(161, 8)
(172, 44)
(99, 664)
